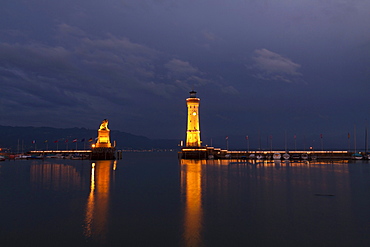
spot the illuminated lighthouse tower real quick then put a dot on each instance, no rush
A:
(193, 131)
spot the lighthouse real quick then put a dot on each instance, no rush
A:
(193, 148)
(193, 131)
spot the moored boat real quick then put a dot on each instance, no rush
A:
(21, 156)
(357, 156)
(296, 157)
(304, 156)
(276, 156)
(76, 157)
(32, 157)
(52, 156)
(286, 156)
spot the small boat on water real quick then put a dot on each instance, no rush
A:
(304, 156)
(252, 156)
(22, 156)
(276, 156)
(286, 156)
(79, 157)
(260, 157)
(66, 156)
(52, 156)
(296, 157)
(2, 158)
(76, 157)
(34, 157)
(357, 156)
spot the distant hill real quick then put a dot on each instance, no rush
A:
(18, 138)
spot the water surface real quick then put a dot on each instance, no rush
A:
(153, 199)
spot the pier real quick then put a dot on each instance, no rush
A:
(218, 153)
(96, 154)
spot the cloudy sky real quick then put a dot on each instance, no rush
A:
(261, 67)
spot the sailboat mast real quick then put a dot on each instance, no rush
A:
(354, 138)
(366, 138)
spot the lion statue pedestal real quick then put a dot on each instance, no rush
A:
(103, 149)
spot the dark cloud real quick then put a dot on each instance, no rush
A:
(177, 66)
(272, 66)
(268, 65)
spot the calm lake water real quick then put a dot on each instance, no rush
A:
(153, 199)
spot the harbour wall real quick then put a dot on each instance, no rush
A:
(218, 153)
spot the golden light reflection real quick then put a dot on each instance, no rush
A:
(90, 204)
(97, 205)
(55, 177)
(264, 181)
(114, 165)
(191, 187)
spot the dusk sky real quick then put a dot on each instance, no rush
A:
(260, 67)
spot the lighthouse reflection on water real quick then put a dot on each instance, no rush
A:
(191, 189)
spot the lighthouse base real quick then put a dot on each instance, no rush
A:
(196, 153)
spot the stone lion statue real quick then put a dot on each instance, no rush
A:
(104, 125)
